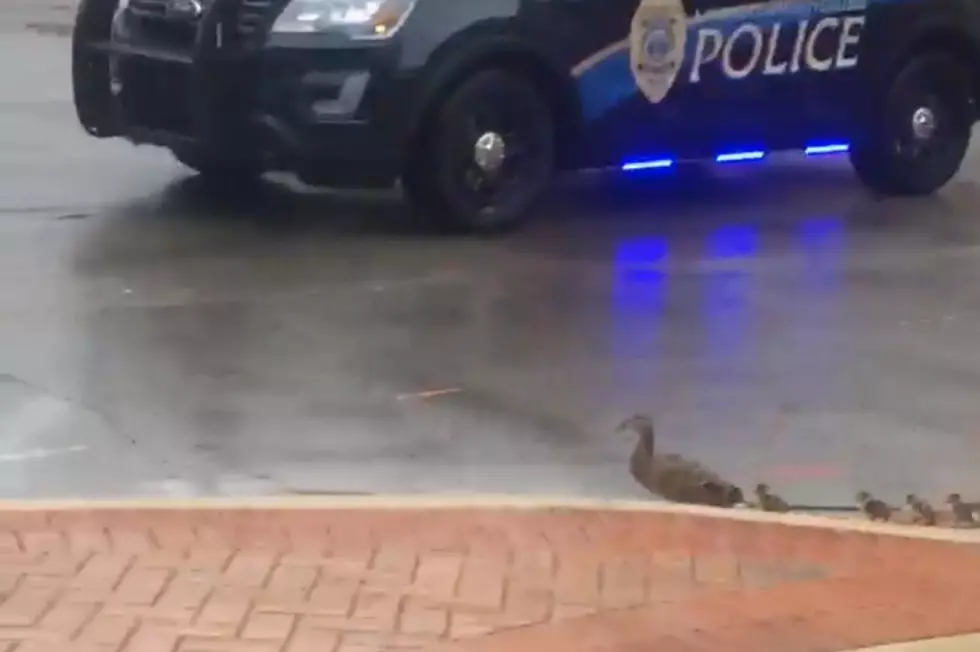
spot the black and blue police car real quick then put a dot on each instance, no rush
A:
(473, 105)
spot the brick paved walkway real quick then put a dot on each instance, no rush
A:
(452, 580)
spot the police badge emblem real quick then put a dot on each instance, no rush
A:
(657, 37)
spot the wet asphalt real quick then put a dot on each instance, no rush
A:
(161, 338)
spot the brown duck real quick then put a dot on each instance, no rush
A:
(873, 508)
(922, 512)
(768, 501)
(672, 476)
(964, 514)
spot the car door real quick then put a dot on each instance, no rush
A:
(742, 84)
(692, 78)
(830, 77)
(592, 38)
(774, 74)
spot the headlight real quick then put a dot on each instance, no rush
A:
(363, 19)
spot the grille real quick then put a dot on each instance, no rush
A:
(156, 95)
(150, 17)
(255, 16)
(249, 17)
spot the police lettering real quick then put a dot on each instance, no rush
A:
(762, 45)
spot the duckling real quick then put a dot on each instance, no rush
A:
(769, 502)
(874, 509)
(672, 476)
(964, 514)
(922, 511)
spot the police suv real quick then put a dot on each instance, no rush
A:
(474, 104)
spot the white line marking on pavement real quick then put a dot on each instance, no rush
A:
(39, 453)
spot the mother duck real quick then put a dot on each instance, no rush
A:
(674, 477)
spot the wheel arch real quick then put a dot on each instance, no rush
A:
(464, 55)
(954, 40)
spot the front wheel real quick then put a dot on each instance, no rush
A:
(485, 156)
(922, 130)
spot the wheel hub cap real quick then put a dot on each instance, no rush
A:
(489, 152)
(923, 123)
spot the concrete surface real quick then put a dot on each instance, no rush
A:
(158, 339)
(50, 17)
(966, 643)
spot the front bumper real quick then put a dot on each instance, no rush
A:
(321, 106)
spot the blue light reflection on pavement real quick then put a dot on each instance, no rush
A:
(823, 242)
(639, 293)
(639, 297)
(727, 285)
(680, 321)
(640, 273)
(816, 320)
(727, 291)
(732, 242)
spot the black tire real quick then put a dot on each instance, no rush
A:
(889, 158)
(441, 177)
(220, 170)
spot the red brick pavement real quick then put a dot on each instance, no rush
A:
(475, 580)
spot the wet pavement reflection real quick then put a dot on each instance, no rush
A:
(161, 337)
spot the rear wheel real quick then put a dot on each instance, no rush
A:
(485, 156)
(921, 130)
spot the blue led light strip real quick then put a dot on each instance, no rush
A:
(649, 165)
(831, 148)
(733, 157)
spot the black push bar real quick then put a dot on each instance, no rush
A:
(91, 75)
(216, 50)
